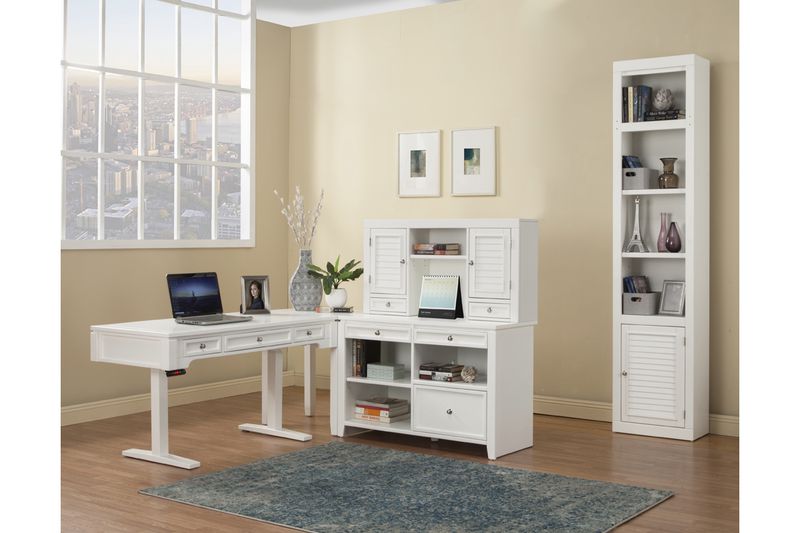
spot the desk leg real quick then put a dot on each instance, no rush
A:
(272, 400)
(309, 371)
(159, 427)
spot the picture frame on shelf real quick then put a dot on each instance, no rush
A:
(255, 295)
(419, 164)
(474, 166)
(673, 298)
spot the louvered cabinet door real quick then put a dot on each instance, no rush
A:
(490, 263)
(652, 375)
(388, 261)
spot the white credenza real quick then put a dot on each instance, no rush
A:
(498, 272)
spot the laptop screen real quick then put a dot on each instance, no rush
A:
(194, 294)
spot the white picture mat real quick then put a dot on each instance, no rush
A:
(484, 183)
(430, 185)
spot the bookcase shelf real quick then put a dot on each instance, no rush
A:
(402, 382)
(660, 362)
(478, 384)
(401, 426)
(429, 257)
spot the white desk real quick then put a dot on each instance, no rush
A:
(162, 345)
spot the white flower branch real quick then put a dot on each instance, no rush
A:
(303, 224)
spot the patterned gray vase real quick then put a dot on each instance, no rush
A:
(305, 291)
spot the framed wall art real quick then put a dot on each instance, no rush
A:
(473, 162)
(419, 163)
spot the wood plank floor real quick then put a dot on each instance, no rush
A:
(99, 487)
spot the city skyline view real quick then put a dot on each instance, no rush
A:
(163, 136)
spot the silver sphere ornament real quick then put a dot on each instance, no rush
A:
(662, 100)
(469, 373)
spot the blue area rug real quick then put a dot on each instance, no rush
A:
(352, 487)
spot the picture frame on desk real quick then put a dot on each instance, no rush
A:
(673, 298)
(473, 162)
(255, 295)
(419, 164)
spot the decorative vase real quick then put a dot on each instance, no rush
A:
(668, 180)
(673, 241)
(337, 298)
(662, 234)
(305, 291)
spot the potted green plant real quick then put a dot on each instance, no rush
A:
(332, 276)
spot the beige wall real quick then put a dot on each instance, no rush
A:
(107, 286)
(539, 70)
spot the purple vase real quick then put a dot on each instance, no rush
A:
(673, 241)
(662, 235)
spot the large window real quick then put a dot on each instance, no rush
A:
(158, 123)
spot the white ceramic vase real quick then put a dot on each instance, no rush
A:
(337, 298)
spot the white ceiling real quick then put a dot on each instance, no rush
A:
(302, 12)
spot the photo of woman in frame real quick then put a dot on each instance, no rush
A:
(255, 295)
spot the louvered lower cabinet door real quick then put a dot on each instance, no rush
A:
(652, 374)
(388, 253)
(490, 263)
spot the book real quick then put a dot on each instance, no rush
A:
(630, 104)
(348, 309)
(440, 376)
(323, 309)
(625, 104)
(451, 368)
(381, 401)
(363, 352)
(640, 284)
(429, 366)
(447, 246)
(374, 411)
(424, 246)
(381, 419)
(446, 252)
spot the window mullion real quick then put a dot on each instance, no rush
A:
(214, 107)
(142, 137)
(177, 146)
(101, 128)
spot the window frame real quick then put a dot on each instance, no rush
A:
(247, 128)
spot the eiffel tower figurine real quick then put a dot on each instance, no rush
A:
(636, 244)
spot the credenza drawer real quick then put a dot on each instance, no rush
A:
(257, 340)
(309, 333)
(380, 332)
(204, 346)
(388, 305)
(450, 412)
(469, 339)
(489, 310)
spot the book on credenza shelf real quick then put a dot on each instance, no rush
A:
(382, 402)
(668, 114)
(375, 411)
(426, 248)
(381, 419)
(636, 284)
(364, 351)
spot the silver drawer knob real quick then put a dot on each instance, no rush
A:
(449, 411)
(624, 372)
(471, 262)
(388, 304)
(260, 339)
(308, 332)
(449, 337)
(377, 332)
(402, 261)
(488, 309)
(202, 346)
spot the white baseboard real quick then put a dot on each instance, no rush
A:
(542, 405)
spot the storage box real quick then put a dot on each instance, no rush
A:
(639, 178)
(385, 371)
(640, 303)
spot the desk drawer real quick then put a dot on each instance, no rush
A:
(309, 333)
(450, 338)
(394, 306)
(450, 412)
(380, 332)
(489, 310)
(257, 340)
(204, 346)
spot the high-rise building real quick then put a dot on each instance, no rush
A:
(191, 130)
(76, 107)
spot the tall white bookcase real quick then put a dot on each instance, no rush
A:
(660, 362)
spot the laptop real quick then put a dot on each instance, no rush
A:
(195, 300)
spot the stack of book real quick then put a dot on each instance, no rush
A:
(637, 284)
(631, 161)
(667, 114)
(441, 372)
(364, 352)
(382, 409)
(636, 103)
(428, 248)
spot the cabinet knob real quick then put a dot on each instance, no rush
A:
(488, 309)
(260, 339)
(402, 261)
(308, 332)
(377, 332)
(449, 411)
(388, 304)
(202, 346)
(624, 372)
(449, 337)
(471, 262)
